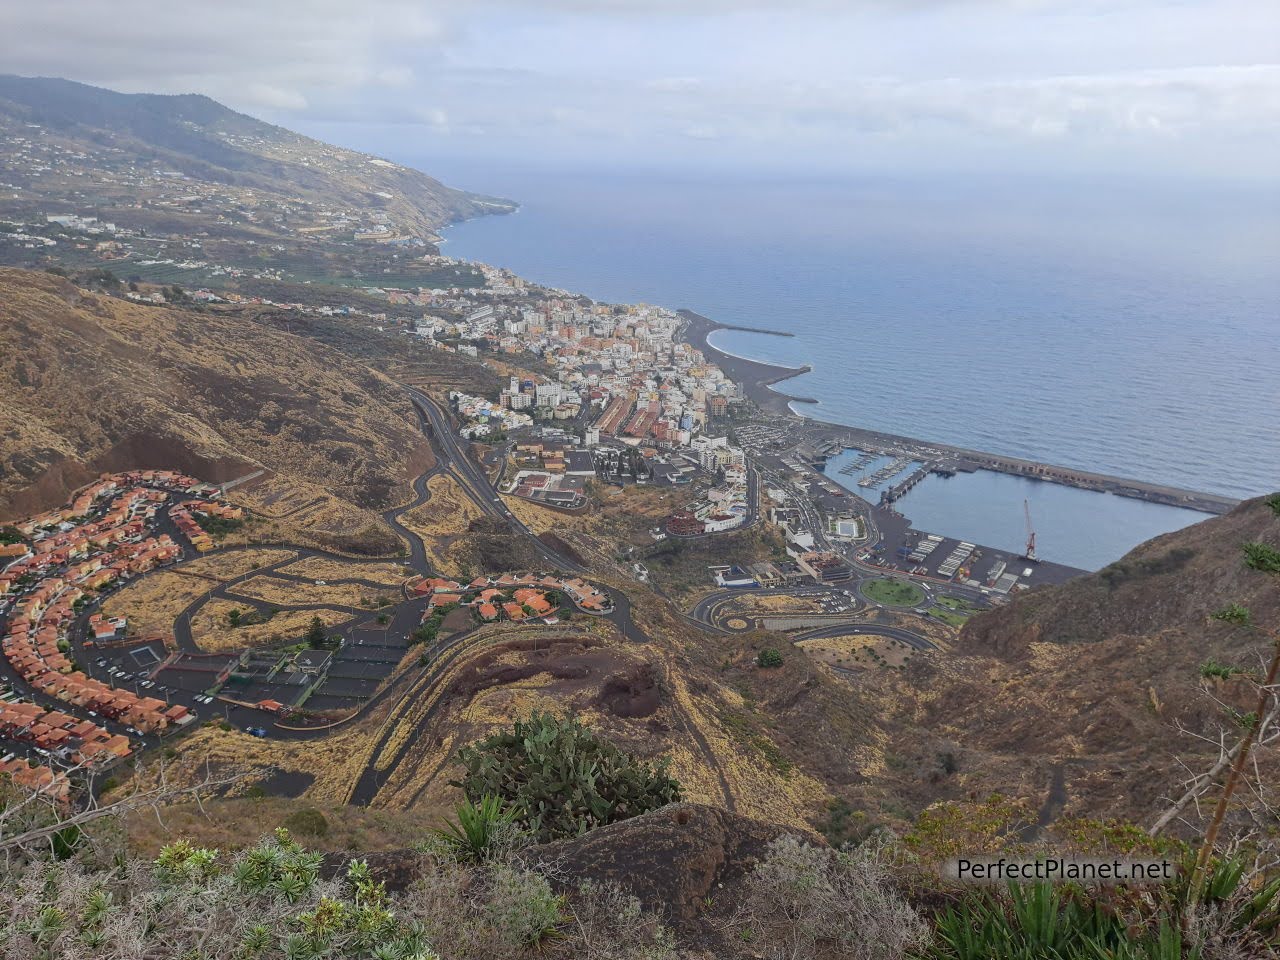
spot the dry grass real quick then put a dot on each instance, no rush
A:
(334, 762)
(446, 513)
(541, 520)
(857, 651)
(325, 568)
(228, 566)
(153, 602)
(290, 593)
(762, 785)
(293, 510)
(751, 604)
(235, 824)
(213, 633)
(441, 522)
(622, 514)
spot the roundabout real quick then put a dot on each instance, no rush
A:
(891, 592)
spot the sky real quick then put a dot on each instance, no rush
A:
(1184, 88)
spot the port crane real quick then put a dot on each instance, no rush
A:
(1030, 552)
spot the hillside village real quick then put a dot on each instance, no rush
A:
(57, 567)
(626, 399)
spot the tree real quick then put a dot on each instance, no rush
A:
(769, 657)
(316, 637)
(560, 779)
(233, 618)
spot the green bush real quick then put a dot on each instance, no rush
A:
(478, 829)
(1260, 556)
(560, 780)
(1212, 668)
(1233, 613)
(769, 657)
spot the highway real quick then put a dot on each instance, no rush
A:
(875, 629)
(453, 459)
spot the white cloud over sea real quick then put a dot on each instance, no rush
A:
(1184, 86)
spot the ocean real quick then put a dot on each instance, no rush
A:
(1127, 328)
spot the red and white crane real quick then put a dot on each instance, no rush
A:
(1030, 552)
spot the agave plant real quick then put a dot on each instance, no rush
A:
(475, 832)
(1049, 922)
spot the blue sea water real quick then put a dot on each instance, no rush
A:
(1128, 328)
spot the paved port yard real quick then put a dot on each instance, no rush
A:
(890, 531)
(896, 533)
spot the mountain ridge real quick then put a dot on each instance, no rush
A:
(199, 137)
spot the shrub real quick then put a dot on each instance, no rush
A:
(522, 909)
(560, 779)
(769, 657)
(308, 823)
(1273, 502)
(1041, 920)
(610, 924)
(1124, 571)
(478, 830)
(1260, 556)
(1233, 613)
(804, 901)
(1233, 918)
(1212, 668)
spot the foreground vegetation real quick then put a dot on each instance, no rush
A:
(484, 886)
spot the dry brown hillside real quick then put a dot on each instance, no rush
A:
(93, 383)
(1099, 682)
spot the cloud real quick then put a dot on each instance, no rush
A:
(799, 82)
(252, 54)
(674, 84)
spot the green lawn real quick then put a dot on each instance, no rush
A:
(949, 616)
(895, 593)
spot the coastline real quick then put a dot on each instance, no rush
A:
(755, 377)
(758, 380)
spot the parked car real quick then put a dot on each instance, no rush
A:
(255, 732)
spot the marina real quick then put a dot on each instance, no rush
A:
(885, 473)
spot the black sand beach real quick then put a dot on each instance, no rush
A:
(756, 379)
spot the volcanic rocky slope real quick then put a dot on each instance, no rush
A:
(1093, 695)
(93, 383)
